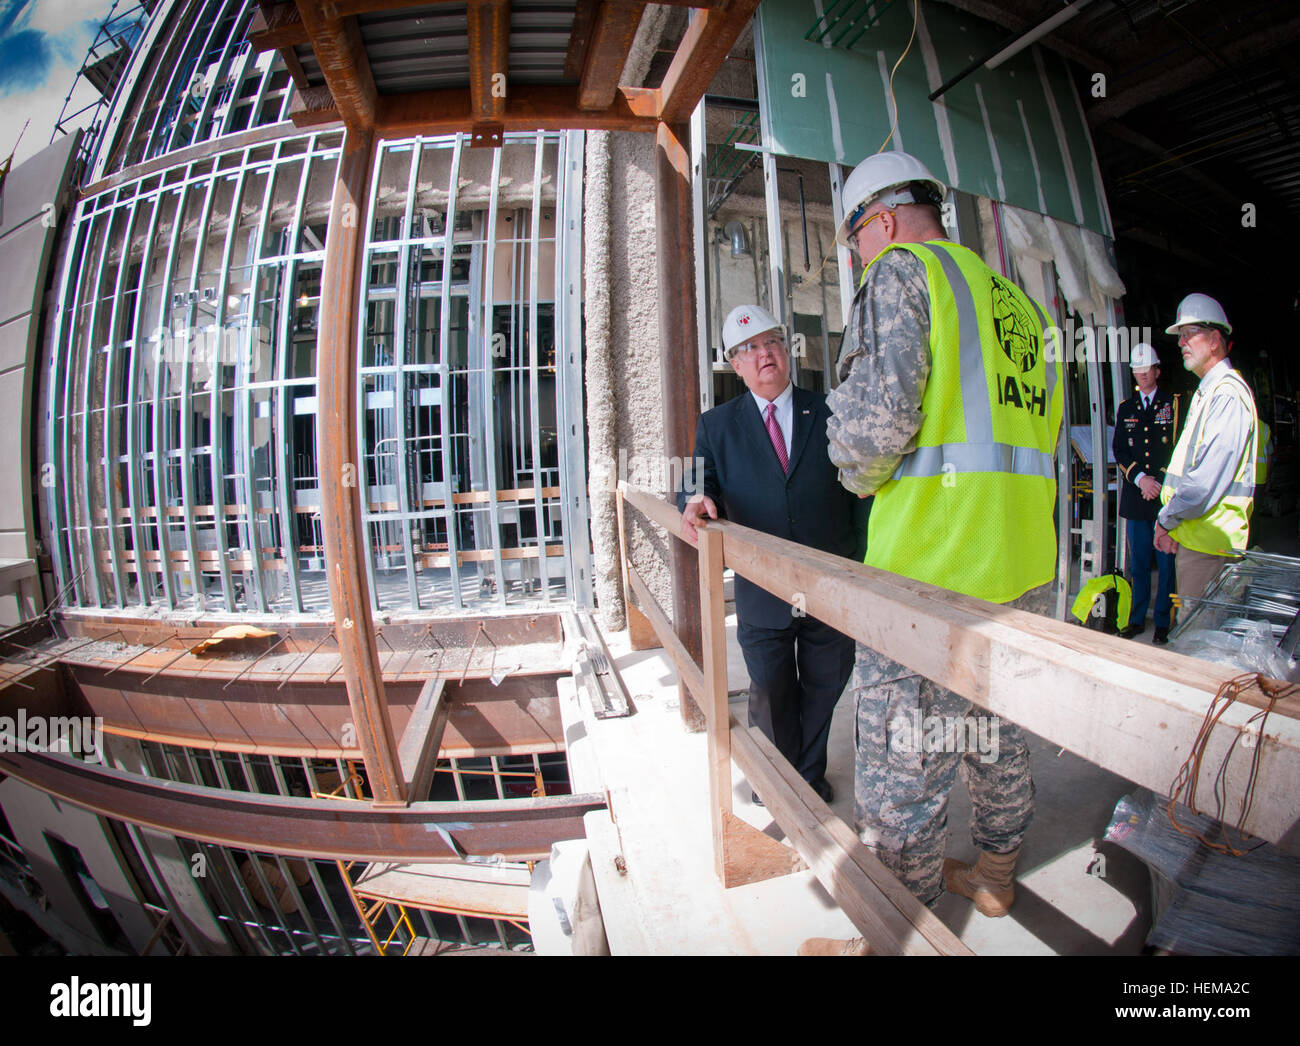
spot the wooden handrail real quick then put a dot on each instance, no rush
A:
(892, 920)
(1133, 711)
(654, 509)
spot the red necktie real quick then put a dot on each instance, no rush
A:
(778, 441)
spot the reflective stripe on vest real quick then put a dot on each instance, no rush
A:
(972, 508)
(1225, 527)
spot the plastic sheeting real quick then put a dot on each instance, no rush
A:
(1083, 268)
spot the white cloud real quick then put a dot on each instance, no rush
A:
(57, 17)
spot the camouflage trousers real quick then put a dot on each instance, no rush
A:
(913, 737)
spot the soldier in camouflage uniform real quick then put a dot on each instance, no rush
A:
(902, 785)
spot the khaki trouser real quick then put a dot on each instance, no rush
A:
(1196, 570)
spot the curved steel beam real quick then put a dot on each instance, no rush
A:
(327, 829)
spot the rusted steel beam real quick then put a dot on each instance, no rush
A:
(679, 370)
(518, 829)
(584, 21)
(341, 477)
(699, 56)
(277, 26)
(342, 56)
(612, 36)
(414, 632)
(518, 714)
(344, 8)
(296, 72)
(312, 107)
(489, 58)
(548, 107)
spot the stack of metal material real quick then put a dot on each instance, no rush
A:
(1251, 598)
(1261, 586)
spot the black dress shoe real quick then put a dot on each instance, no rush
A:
(822, 787)
(1161, 636)
(1129, 631)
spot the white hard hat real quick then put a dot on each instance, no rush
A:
(872, 180)
(1143, 356)
(1200, 308)
(744, 323)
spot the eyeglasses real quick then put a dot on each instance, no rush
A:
(857, 229)
(773, 341)
(1191, 330)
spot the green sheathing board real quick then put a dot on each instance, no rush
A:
(1015, 133)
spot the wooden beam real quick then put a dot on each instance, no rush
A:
(640, 632)
(489, 58)
(342, 56)
(611, 40)
(751, 856)
(418, 751)
(655, 509)
(892, 920)
(1133, 711)
(189, 154)
(699, 56)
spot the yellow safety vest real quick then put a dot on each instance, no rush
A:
(1085, 606)
(1263, 453)
(1225, 529)
(972, 508)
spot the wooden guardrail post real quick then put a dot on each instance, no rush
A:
(714, 703)
(741, 853)
(640, 631)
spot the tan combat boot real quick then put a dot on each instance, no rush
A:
(831, 946)
(988, 883)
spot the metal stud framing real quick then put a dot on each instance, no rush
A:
(228, 891)
(142, 401)
(204, 67)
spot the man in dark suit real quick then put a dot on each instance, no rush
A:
(1146, 428)
(764, 465)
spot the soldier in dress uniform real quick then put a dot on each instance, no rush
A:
(1146, 428)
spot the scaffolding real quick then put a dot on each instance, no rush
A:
(102, 68)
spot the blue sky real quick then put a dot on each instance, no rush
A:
(42, 44)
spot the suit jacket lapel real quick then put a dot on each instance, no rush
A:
(805, 406)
